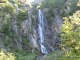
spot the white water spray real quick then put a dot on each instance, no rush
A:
(41, 29)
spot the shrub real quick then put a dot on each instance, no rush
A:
(35, 12)
(53, 3)
(49, 18)
(63, 13)
(8, 9)
(23, 55)
(2, 14)
(8, 56)
(12, 1)
(51, 12)
(20, 5)
(23, 15)
(70, 34)
(6, 27)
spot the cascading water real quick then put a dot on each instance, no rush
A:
(40, 30)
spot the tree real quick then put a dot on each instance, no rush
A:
(23, 15)
(53, 3)
(70, 33)
(6, 27)
(8, 9)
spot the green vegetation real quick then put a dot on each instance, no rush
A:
(2, 1)
(70, 30)
(8, 56)
(23, 15)
(49, 19)
(7, 42)
(50, 15)
(60, 6)
(12, 1)
(23, 55)
(6, 28)
(53, 4)
(72, 7)
(59, 55)
(19, 55)
(1, 14)
(63, 13)
(70, 33)
(8, 9)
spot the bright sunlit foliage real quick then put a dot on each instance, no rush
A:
(6, 56)
(70, 36)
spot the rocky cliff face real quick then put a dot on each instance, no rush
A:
(56, 28)
(29, 28)
(70, 6)
(29, 31)
(51, 39)
(50, 33)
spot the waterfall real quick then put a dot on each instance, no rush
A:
(41, 31)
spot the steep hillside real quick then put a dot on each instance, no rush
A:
(14, 31)
(29, 31)
(69, 35)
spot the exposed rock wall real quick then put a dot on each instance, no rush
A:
(29, 29)
(70, 5)
(56, 28)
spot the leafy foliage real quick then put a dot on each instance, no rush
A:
(8, 9)
(23, 15)
(71, 33)
(59, 55)
(53, 3)
(19, 55)
(8, 56)
(7, 12)
(49, 19)
(1, 14)
(50, 15)
(6, 28)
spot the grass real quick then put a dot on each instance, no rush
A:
(25, 57)
(58, 55)
(16, 56)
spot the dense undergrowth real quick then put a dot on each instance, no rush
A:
(59, 55)
(7, 51)
(17, 55)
